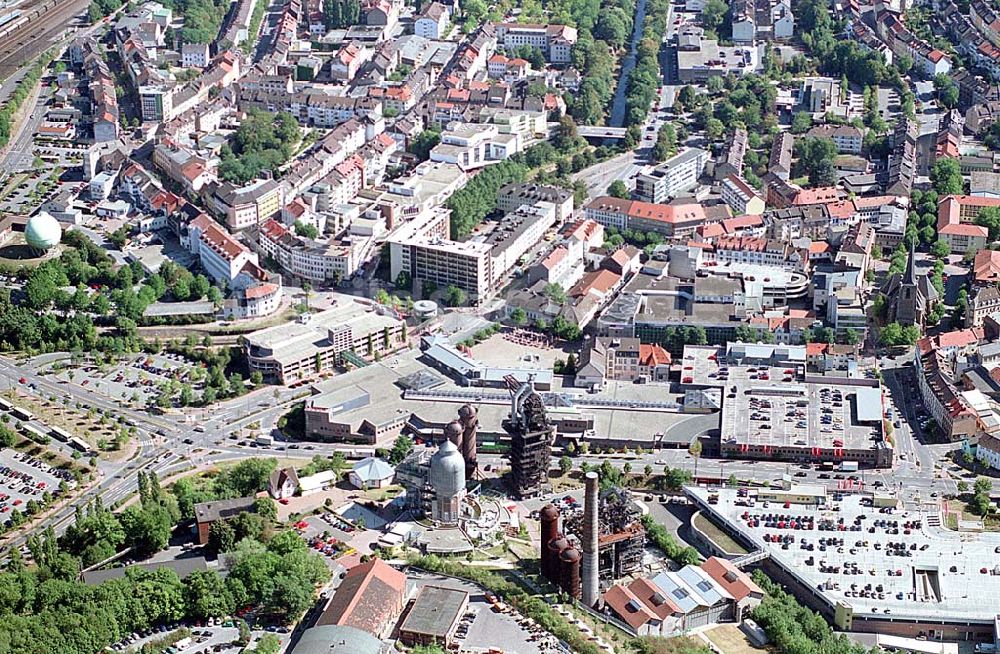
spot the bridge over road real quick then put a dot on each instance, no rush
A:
(589, 132)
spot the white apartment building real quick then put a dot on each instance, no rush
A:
(672, 177)
(555, 41)
(321, 263)
(513, 196)
(423, 249)
(742, 198)
(156, 103)
(195, 55)
(472, 146)
(847, 138)
(221, 255)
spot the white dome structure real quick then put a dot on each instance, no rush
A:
(42, 231)
(447, 478)
(425, 309)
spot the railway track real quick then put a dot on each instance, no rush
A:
(33, 31)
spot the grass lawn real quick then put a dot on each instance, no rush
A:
(383, 494)
(729, 639)
(721, 539)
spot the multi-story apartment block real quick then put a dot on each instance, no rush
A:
(432, 21)
(422, 249)
(847, 138)
(195, 55)
(956, 223)
(249, 205)
(742, 198)
(320, 262)
(555, 41)
(512, 196)
(221, 255)
(671, 220)
(472, 146)
(674, 176)
(156, 103)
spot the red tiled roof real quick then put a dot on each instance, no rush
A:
(217, 239)
(369, 593)
(986, 266)
(651, 354)
(602, 281)
(736, 582)
(959, 338)
(816, 349)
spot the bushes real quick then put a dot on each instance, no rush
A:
(794, 628)
(659, 536)
(263, 141)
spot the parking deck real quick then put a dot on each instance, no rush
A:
(887, 564)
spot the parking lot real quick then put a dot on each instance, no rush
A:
(881, 561)
(213, 636)
(24, 478)
(328, 535)
(488, 628)
(138, 379)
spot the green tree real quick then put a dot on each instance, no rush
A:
(946, 90)
(989, 217)
(713, 13)
(454, 296)
(147, 530)
(714, 129)
(801, 122)
(206, 595)
(400, 449)
(425, 141)
(946, 176)
(266, 509)
(565, 465)
(618, 189)
(940, 249)
(307, 230)
(816, 157)
(519, 317)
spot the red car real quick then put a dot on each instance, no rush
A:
(22, 380)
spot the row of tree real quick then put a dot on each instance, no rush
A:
(646, 78)
(603, 28)
(795, 629)
(477, 199)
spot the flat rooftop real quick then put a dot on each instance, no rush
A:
(435, 611)
(931, 573)
(373, 393)
(774, 405)
(796, 415)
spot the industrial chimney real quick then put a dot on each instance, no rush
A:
(590, 579)
(468, 416)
